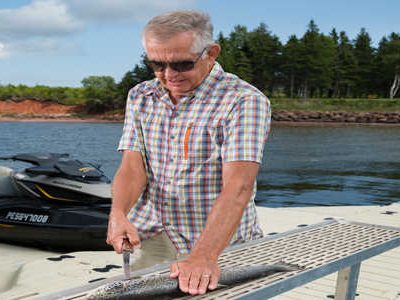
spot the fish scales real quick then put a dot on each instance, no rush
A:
(159, 286)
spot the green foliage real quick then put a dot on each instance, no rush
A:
(334, 104)
(291, 66)
(316, 70)
(364, 53)
(265, 50)
(387, 62)
(345, 65)
(100, 93)
(64, 95)
(314, 65)
(140, 73)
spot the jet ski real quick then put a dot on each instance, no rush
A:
(57, 203)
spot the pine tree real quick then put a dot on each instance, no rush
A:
(265, 57)
(291, 65)
(346, 67)
(364, 55)
(240, 53)
(388, 64)
(225, 57)
(318, 59)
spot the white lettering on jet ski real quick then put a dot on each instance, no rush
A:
(32, 218)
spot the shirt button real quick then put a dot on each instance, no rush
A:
(172, 137)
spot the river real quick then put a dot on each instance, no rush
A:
(303, 165)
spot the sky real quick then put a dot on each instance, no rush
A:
(60, 42)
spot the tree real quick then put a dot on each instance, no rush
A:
(318, 59)
(364, 56)
(389, 63)
(265, 52)
(240, 53)
(100, 92)
(334, 91)
(141, 72)
(345, 66)
(225, 57)
(292, 64)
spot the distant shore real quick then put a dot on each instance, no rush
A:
(66, 119)
(287, 118)
(289, 112)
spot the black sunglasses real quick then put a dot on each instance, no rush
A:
(179, 66)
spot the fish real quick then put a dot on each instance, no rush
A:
(157, 286)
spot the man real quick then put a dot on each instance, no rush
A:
(192, 144)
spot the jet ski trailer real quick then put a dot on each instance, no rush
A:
(57, 203)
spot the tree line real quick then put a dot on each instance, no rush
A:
(315, 65)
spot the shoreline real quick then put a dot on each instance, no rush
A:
(284, 118)
(293, 123)
(63, 119)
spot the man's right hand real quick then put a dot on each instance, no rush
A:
(121, 233)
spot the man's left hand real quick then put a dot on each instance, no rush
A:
(196, 274)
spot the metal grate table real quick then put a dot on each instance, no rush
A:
(321, 249)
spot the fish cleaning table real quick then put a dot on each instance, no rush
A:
(320, 249)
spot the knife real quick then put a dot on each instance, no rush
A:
(126, 255)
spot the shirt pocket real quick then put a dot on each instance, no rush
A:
(200, 143)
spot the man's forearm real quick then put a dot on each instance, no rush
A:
(225, 216)
(128, 184)
(124, 194)
(223, 221)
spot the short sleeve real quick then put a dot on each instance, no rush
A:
(246, 129)
(132, 134)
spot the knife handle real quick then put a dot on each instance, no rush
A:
(127, 246)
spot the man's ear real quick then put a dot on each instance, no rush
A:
(213, 51)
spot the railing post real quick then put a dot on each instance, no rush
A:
(346, 283)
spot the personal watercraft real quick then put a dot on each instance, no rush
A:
(57, 203)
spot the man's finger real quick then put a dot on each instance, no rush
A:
(133, 240)
(183, 282)
(118, 245)
(204, 281)
(194, 282)
(213, 283)
(174, 270)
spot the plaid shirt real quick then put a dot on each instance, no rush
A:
(184, 146)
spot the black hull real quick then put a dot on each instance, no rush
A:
(56, 239)
(62, 228)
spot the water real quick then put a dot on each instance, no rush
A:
(303, 166)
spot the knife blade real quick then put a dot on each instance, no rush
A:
(126, 255)
(127, 249)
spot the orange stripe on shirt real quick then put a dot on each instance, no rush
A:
(186, 141)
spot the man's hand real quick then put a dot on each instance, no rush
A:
(121, 233)
(196, 274)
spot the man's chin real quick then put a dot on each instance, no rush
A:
(178, 92)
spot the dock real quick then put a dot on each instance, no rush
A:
(29, 274)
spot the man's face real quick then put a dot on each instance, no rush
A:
(178, 49)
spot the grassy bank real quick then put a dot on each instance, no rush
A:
(346, 105)
(278, 104)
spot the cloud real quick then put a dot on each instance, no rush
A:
(39, 18)
(124, 10)
(41, 25)
(3, 51)
(37, 27)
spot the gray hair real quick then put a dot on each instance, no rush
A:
(165, 26)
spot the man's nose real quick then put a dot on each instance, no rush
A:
(169, 72)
